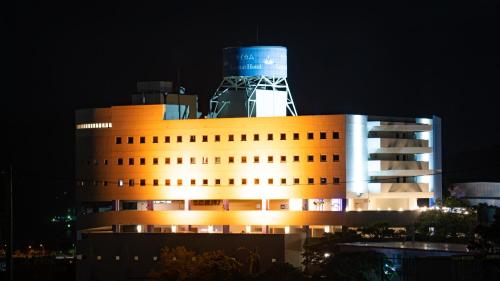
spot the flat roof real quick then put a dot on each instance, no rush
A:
(421, 246)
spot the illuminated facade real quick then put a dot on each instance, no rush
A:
(137, 171)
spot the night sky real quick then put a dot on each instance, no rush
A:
(396, 60)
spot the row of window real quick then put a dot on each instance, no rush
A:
(94, 126)
(217, 160)
(217, 138)
(193, 182)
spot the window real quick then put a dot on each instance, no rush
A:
(167, 139)
(256, 159)
(120, 183)
(120, 161)
(269, 159)
(336, 180)
(155, 139)
(118, 140)
(296, 158)
(143, 182)
(243, 181)
(282, 158)
(217, 181)
(193, 182)
(322, 181)
(322, 158)
(295, 136)
(179, 182)
(217, 138)
(322, 135)
(192, 160)
(205, 181)
(130, 140)
(282, 136)
(155, 161)
(296, 180)
(155, 182)
(142, 140)
(167, 182)
(243, 159)
(131, 161)
(336, 158)
(167, 160)
(310, 158)
(230, 138)
(205, 138)
(231, 181)
(269, 136)
(310, 136)
(283, 180)
(231, 159)
(105, 161)
(335, 135)
(256, 137)
(204, 160)
(192, 139)
(270, 181)
(217, 160)
(256, 181)
(143, 161)
(179, 160)
(310, 180)
(179, 138)
(243, 137)
(131, 182)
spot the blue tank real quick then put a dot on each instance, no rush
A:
(255, 61)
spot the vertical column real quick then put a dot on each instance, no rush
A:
(115, 206)
(186, 208)
(150, 227)
(225, 206)
(264, 208)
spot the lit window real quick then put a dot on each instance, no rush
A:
(296, 158)
(131, 182)
(130, 140)
(243, 137)
(155, 182)
(155, 139)
(217, 138)
(335, 135)
(205, 181)
(118, 140)
(217, 181)
(143, 182)
(167, 160)
(155, 161)
(243, 181)
(336, 158)
(179, 160)
(270, 181)
(167, 139)
(231, 181)
(231, 159)
(282, 136)
(217, 160)
(322, 181)
(179, 138)
(256, 137)
(143, 161)
(295, 136)
(336, 180)
(269, 159)
(283, 180)
(179, 182)
(193, 182)
(256, 181)
(192, 139)
(310, 136)
(120, 183)
(120, 161)
(205, 138)
(192, 160)
(310, 158)
(310, 180)
(269, 136)
(256, 159)
(131, 161)
(243, 159)
(143, 139)
(167, 182)
(230, 138)
(322, 135)
(322, 158)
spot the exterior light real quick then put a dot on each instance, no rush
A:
(174, 228)
(210, 229)
(287, 229)
(68, 225)
(327, 229)
(400, 209)
(327, 255)
(359, 209)
(248, 229)
(139, 228)
(389, 209)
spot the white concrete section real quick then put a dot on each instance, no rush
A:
(374, 166)
(373, 144)
(270, 103)
(374, 187)
(295, 204)
(356, 153)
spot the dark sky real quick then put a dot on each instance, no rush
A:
(396, 59)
